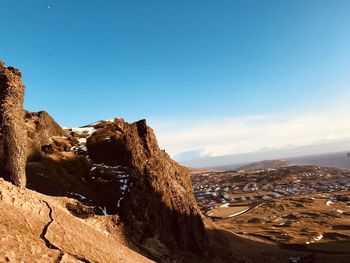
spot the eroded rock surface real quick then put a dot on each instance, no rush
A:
(13, 136)
(38, 228)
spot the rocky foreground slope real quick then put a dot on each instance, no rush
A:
(38, 228)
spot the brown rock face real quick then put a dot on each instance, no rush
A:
(156, 203)
(41, 127)
(37, 228)
(13, 134)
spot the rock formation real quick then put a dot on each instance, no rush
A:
(156, 203)
(41, 130)
(119, 169)
(13, 134)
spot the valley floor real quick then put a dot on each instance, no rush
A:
(292, 213)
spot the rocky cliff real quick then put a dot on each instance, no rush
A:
(155, 202)
(114, 168)
(118, 168)
(12, 128)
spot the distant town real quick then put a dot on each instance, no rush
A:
(214, 189)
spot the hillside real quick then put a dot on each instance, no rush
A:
(337, 159)
(268, 164)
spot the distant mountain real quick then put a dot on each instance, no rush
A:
(339, 160)
(233, 161)
(273, 164)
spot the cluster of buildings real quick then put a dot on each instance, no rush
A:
(310, 186)
(219, 188)
(215, 194)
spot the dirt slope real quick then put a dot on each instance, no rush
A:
(38, 228)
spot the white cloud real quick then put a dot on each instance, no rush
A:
(215, 137)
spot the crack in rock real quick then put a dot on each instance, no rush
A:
(48, 242)
(50, 245)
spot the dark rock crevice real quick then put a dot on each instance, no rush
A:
(44, 232)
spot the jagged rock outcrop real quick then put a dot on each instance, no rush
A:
(13, 136)
(150, 193)
(119, 169)
(43, 131)
(157, 205)
(121, 172)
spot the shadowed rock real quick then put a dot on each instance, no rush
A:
(158, 206)
(13, 134)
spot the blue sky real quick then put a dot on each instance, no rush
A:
(175, 62)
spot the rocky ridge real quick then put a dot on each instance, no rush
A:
(119, 169)
(169, 214)
(112, 168)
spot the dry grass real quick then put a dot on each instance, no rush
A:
(306, 220)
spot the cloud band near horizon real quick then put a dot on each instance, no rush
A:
(192, 139)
